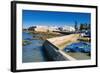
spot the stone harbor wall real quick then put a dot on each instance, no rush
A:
(53, 53)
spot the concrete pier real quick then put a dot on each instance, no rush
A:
(63, 41)
(53, 53)
(53, 49)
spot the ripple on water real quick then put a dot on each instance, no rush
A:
(34, 51)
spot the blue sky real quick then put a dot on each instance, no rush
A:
(50, 18)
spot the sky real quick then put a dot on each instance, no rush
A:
(53, 18)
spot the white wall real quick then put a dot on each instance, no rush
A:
(5, 36)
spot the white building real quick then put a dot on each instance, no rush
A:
(53, 28)
(68, 28)
(41, 28)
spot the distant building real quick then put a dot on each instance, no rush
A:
(46, 28)
(41, 29)
(52, 28)
(32, 28)
(68, 28)
(64, 28)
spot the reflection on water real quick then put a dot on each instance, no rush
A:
(32, 52)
